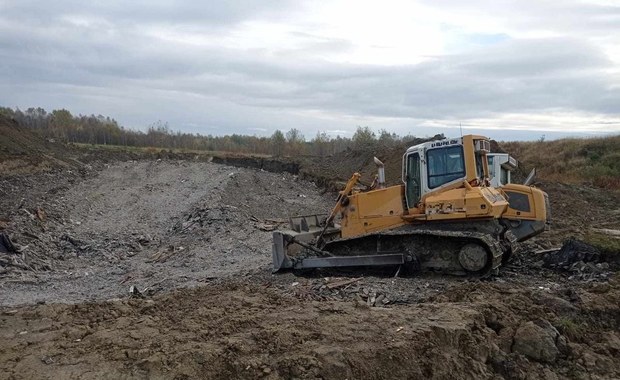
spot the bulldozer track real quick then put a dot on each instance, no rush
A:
(434, 249)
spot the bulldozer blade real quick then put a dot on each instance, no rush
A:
(286, 241)
(280, 259)
(288, 245)
(350, 261)
(305, 223)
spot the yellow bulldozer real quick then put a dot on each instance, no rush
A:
(445, 216)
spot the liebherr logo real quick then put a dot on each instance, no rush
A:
(444, 143)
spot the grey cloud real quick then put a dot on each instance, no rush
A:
(120, 70)
(551, 56)
(200, 13)
(559, 16)
(517, 76)
(463, 85)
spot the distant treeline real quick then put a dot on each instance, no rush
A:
(63, 126)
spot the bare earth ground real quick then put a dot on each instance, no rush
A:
(190, 237)
(152, 224)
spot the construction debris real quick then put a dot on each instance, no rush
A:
(266, 227)
(341, 288)
(572, 251)
(581, 260)
(6, 245)
(134, 292)
(341, 283)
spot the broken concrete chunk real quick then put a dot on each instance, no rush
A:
(134, 292)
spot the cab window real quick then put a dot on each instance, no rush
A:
(445, 165)
(491, 166)
(504, 177)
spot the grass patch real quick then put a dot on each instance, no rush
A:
(571, 160)
(571, 329)
(607, 244)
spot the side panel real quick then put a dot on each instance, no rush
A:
(449, 204)
(466, 203)
(528, 214)
(373, 211)
(525, 202)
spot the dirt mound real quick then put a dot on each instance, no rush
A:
(242, 331)
(268, 164)
(331, 172)
(245, 330)
(23, 151)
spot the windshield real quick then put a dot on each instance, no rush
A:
(445, 165)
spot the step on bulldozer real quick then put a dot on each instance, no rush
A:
(444, 217)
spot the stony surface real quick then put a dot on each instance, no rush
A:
(152, 224)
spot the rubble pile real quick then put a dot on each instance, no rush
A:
(580, 259)
(363, 291)
(341, 289)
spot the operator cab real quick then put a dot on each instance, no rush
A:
(500, 167)
(435, 165)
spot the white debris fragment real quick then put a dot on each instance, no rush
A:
(134, 292)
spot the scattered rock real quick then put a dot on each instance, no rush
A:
(536, 342)
(47, 360)
(558, 305)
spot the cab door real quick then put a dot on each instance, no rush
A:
(413, 185)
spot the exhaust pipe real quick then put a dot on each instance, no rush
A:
(381, 170)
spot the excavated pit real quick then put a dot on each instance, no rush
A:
(151, 224)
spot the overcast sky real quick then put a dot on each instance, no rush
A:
(509, 69)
